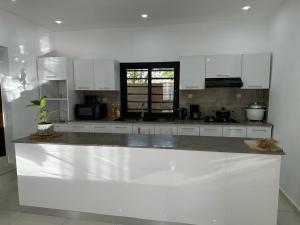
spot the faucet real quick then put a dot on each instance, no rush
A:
(142, 113)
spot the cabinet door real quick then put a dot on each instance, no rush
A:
(259, 132)
(188, 130)
(81, 128)
(166, 130)
(143, 129)
(52, 68)
(105, 75)
(100, 128)
(256, 69)
(211, 131)
(84, 74)
(121, 129)
(235, 131)
(61, 127)
(223, 66)
(192, 73)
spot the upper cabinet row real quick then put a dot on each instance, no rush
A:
(101, 75)
(253, 69)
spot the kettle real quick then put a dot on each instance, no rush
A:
(182, 113)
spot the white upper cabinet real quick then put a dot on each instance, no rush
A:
(223, 66)
(107, 75)
(84, 74)
(256, 71)
(192, 73)
(53, 68)
(100, 75)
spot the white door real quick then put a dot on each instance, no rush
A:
(84, 74)
(211, 131)
(223, 66)
(104, 71)
(256, 69)
(192, 73)
(188, 130)
(166, 130)
(143, 129)
(235, 131)
(259, 132)
(52, 68)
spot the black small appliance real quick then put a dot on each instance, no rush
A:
(90, 111)
(195, 113)
(90, 99)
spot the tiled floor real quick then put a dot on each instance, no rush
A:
(10, 213)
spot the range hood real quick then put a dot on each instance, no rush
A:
(223, 82)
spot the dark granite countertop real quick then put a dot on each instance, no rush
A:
(176, 122)
(192, 143)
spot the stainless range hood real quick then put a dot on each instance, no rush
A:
(223, 82)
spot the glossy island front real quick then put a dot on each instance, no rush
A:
(150, 179)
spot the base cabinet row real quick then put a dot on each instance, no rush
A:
(189, 130)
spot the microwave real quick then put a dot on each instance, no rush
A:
(90, 111)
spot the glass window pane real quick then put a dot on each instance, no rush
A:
(163, 73)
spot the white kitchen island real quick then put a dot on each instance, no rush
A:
(136, 179)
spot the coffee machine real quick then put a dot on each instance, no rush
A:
(195, 113)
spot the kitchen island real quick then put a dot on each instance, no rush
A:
(149, 179)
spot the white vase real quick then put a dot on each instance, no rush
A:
(45, 129)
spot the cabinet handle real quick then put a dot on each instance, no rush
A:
(121, 127)
(259, 130)
(210, 129)
(192, 87)
(74, 126)
(235, 129)
(81, 87)
(100, 127)
(254, 86)
(187, 128)
(50, 76)
(223, 75)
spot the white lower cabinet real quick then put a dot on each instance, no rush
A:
(100, 128)
(79, 127)
(235, 131)
(61, 127)
(259, 132)
(188, 130)
(211, 131)
(166, 130)
(143, 129)
(121, 129)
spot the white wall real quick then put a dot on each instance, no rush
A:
(164, 42)
(285, 93)
(34, 41)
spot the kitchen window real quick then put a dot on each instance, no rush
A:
(149, 87)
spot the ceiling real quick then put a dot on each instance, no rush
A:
(92, 14)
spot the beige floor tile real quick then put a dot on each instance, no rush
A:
(8, 217)
(84, 222)
(32, 219)
(284, 205)
(288, 218)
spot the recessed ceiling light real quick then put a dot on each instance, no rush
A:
(13, 0)
(246, 7)
(144, 16)
(58, 21)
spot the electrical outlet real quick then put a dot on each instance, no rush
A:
(190, 96)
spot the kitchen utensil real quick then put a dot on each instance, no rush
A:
(223, 114)
(255, 112)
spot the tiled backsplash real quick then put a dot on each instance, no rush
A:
(209, 100)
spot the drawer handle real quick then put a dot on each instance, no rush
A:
(210, 129)
(100, 127)
(50, 76)
(192, 87)
(260, 130)
(255, 86)
(187, 128)
(235, 129)
(77, 126)
(121, 127)
(81, 87)
(223, 75)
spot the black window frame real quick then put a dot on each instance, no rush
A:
(150, 66)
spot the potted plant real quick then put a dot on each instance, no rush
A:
(44, 126)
